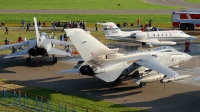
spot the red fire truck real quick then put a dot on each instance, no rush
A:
(186, 19)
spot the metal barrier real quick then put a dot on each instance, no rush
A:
(10, 97)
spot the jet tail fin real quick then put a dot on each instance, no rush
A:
(37, 33)
(110, 28)
(88, 47)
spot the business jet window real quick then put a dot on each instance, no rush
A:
(154, 35)
(158, 34)
(170, 34)
(166, 34)
(162, 34)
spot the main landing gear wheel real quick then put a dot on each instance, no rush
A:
(143, 43)
(118, 81)
(27, 60)
(55, 59)
(142, 85)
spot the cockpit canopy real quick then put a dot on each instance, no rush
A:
(163, 49)
(44, 35)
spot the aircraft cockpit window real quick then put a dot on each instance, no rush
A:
(43, 34)
(133, 35)
(163, 49)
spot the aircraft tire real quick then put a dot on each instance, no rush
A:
(55, 60)
(143, 43)
(142, 85)
(27, 60)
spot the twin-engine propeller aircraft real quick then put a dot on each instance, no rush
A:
(109, 65)
(146, 38)
(39, 46)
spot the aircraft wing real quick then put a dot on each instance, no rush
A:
(58, 52)
(112, 72)
(110, 76)
(61, 42)
(13, 45)
(17, 54)
(156, 66)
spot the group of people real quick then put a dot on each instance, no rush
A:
(28, 25)
(69, 24)
(148, 26)
(74, 24)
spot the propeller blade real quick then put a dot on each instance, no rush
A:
(69, 71)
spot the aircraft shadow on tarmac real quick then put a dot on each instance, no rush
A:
(84, 86)
(6, 63)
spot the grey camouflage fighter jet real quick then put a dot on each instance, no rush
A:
(109, 65)
(40, 46)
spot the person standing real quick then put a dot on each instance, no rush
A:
(20, 39)
(6, 41)
(150, 23)
(96, 26)
(23, 24)
(27, 26)
(6, 28)
(24, 39)
(83, 25)
(138, 23)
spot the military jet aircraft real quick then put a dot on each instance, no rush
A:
(109, 65)
(40, 46)
(146, 38)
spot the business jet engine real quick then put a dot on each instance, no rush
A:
(139, 35)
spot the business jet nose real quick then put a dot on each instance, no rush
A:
(187, 57)
(191, 38)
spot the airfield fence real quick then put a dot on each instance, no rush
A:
(33, 102)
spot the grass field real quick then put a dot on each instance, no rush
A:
(81, 4)
(67, 98)
(161, 20)
(193, 1)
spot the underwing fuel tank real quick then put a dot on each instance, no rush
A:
(179, 77)
(149, 78)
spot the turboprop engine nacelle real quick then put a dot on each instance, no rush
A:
(139, 35)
